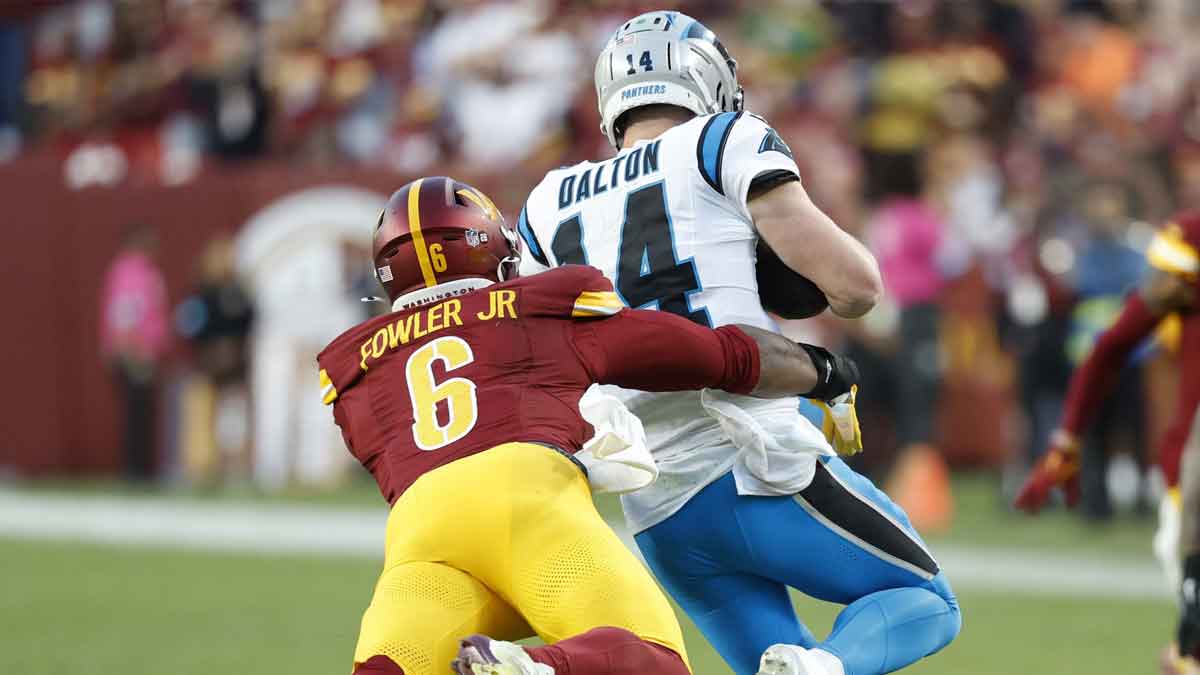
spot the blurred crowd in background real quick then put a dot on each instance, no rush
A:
(1006, 160)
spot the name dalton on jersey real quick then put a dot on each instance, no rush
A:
(575, 188)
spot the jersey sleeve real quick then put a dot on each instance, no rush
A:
(339, 364)
(535, 227)
(533, 256)
(1097, 376)
(658, 351)
(570, 291)
(736, 149)
(1170, 252)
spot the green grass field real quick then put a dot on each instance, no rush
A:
(85, 609)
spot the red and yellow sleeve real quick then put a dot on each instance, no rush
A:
(329, 392)
(591, 304)
(1096, 377)
(657, 351)
(1170, 252)
(570, 291)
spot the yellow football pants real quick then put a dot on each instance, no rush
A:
(506, 543)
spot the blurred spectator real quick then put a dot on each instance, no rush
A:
(907, 236)
(1017, 143)
(133, 340)
(490, 57)
(216, 319)
(224, 81)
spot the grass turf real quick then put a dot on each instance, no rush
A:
(981, 516)
(85, 609)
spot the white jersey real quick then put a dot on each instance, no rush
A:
(666, 220)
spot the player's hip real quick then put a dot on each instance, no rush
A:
(520, 520)
(491, 495)
(838, 512)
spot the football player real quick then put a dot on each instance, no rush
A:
(1171, 290)
(463, 404)
(750, 498)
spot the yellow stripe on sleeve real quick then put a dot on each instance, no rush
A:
(597, 303)
(328, 391)
(414, 226)
(1170, 253)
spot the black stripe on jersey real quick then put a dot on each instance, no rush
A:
(531, 241)
(863, 522)
(768, 180)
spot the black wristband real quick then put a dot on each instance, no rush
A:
(835, 374)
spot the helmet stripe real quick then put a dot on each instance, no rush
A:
(414, 226)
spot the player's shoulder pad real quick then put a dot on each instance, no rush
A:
(569, 291)
(710, 147)
(743, 133)
(341, 362)
(1172, 249)
(534, 212)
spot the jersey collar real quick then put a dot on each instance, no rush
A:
(449, 289)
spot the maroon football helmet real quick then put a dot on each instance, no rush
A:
(435, 230)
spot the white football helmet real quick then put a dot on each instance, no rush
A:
(668, 58)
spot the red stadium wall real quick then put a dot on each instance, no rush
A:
(58, 406)
(58, 410)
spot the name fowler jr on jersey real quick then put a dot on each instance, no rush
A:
(438, 317)
(578, 187)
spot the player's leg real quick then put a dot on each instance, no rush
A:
(699, 556)
(525, 525)
(418, 614)
(1166, 539)
(586, 594)
(843, 540)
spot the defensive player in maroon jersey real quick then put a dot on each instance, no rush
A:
(1169, 294)
(463, 404)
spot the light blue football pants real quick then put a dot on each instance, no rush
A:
(728, 560)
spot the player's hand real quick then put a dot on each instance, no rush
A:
(1189, 608)
(840, 425)
(1059, 468)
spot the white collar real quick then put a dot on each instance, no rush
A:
(448, 289)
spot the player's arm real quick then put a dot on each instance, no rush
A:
(810, 243)
(744, 159)
(1094, 380)
(657, 351)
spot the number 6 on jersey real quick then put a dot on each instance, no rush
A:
(426, 393)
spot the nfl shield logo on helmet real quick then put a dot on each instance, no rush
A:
(476, 238)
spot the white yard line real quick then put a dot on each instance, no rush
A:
(272, 528)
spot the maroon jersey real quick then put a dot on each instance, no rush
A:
(422, 387)
(1176, 250)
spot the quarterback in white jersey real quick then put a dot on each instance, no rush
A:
(750, 497)
(667, 221)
